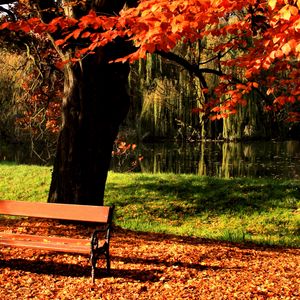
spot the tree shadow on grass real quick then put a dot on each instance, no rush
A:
(190, 195)
(128, 237)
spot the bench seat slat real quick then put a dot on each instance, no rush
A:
(89, 213)
(60, 244)
(44, 246)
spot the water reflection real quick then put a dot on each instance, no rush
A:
(255, 159)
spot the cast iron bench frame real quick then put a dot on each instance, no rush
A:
(95, 247)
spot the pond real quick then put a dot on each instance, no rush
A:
(272, 159)
(253, 159)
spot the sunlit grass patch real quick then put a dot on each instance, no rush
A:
(23, 182)
(262, 211)
(242, 210)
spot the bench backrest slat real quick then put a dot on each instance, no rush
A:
(86, 213)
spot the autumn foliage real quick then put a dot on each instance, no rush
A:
(264, 36)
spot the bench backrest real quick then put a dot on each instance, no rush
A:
(86, 213)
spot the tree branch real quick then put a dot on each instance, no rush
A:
(199, 72)
(193, 69)
(218, 56)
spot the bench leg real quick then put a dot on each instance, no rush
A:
(95, 254)
(93, 275)
(107, 262)
(93, 261)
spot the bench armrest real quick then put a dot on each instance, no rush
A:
(105, 231)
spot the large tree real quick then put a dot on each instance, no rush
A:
(94, 104)
(94, 40)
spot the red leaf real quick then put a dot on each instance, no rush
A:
(76, 33)
(86, 34)
(59, 42)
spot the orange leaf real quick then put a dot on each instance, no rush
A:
(86, 34)
(76, 33)
(216, 109)
(4, 25)
(240, 86)
(59, 42)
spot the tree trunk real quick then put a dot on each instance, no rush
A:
(95, 103)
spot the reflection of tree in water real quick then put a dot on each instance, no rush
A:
(255, 159)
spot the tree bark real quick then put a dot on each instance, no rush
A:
(95, 104)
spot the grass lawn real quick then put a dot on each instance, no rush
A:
(261, 211)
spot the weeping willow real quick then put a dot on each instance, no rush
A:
(168, 102)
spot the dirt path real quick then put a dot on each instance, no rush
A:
(151, 266)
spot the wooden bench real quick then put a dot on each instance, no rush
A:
(95, 246)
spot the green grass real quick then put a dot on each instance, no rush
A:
(262, 211)
(23, 182)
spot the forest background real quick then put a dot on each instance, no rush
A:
(164, 103)
(167, 101)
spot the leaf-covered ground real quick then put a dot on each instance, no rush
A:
(148, 266)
